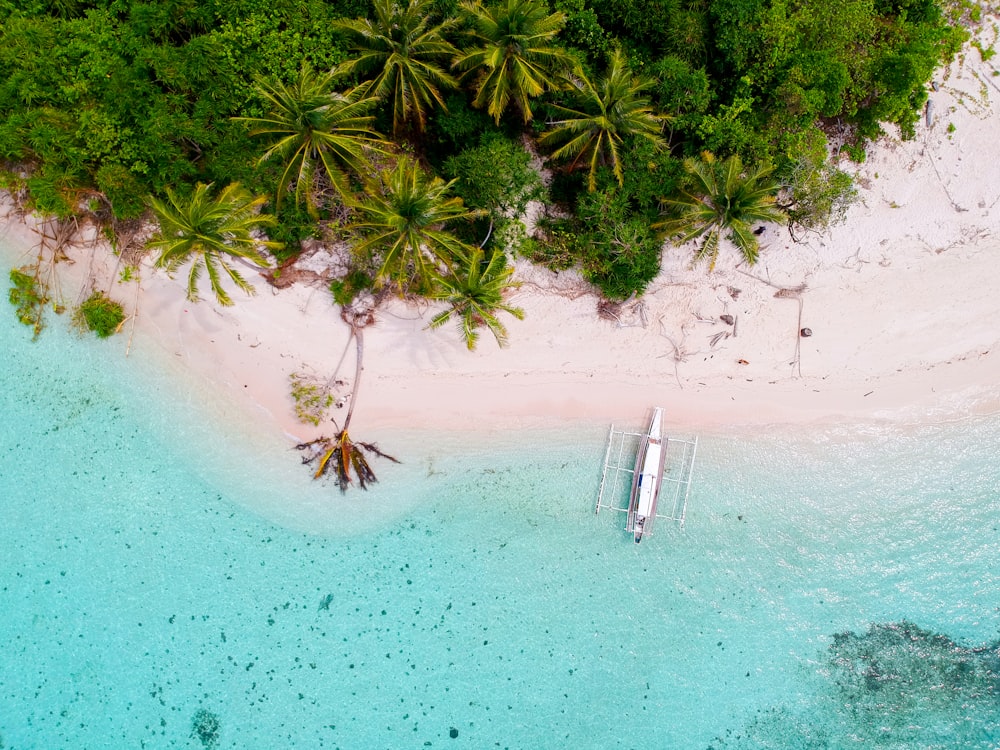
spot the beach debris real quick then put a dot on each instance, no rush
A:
(608, 309)
(618, 312)
(325, 602)
(734, 292)
(806, 333)
(742, 362)
(721, 335)
(727, 319)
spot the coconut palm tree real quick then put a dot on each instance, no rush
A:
(723, 198)
(406, 55)
(313, 126)
(475, 293)
(513, 57)
(402, 225)
(209, 230)
(340, 455)
(610, 113)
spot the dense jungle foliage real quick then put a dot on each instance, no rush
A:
(651, 114)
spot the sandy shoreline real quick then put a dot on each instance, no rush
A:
(901, 301)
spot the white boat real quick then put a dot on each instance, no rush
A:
(647, 478)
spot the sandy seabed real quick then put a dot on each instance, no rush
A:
(901, 300)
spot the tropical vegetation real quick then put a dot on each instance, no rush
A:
(209, 231)
(400, 227)
(407, 57)
(610, 113)
(311, 125)
(100, 314)
(475, 292)
(723, 198)
(248, 130)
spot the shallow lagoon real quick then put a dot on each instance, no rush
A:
(170, 577)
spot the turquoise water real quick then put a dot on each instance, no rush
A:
(170, 577)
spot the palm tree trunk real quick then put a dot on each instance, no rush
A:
(359, 340)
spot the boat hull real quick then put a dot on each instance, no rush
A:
(647, 478)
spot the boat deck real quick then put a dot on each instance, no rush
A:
(619, 469)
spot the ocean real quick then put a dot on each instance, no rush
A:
(171, 577)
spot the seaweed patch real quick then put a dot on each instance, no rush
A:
(205, 728)
(896, 685)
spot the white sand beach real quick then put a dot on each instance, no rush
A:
(901, 301)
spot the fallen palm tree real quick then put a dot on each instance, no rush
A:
(340, 456)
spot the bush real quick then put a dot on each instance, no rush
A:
(350, 286)
(624, 259)
(495, 176)
(100, 314)
(555, 246)
(29, 297)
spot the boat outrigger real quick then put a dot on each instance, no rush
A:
(647, 478)
(661, 476)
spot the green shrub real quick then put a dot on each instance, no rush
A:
(346, 289)
(555, 246)
(29, 297)
(100, 314)
(495, 176)
(623, 260)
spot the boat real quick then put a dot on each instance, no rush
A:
(647, 478)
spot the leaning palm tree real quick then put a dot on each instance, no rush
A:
(513, 57)
(340, 455)
(209, 230)
(312, 126)
(723, 198)
(405, 54)
(402, 220)
(475, 294)
(610, 113)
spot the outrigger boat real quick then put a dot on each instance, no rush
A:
(660, 476)
(647, 478)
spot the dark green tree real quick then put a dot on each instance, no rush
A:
(313, 127)
(496, 176)
(403, 58)
(402, 226)
(513, 56)
(611, 113)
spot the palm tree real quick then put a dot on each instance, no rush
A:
(402, 220)
(209, 230)
(405, 54)
(340, 454)
(515, 58)
(475, 293)
(724, 197)
(312, 126)
(611, 112)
